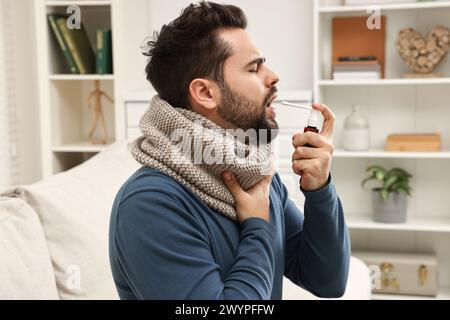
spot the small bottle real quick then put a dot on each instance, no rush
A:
(313, 121)
(313, 124)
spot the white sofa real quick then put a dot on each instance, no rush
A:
(54, 235)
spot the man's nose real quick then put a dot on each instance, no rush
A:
(272, 78)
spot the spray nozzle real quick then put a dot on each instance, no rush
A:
(313, 120)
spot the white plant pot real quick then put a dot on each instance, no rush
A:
(391, 211)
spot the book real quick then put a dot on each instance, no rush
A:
(356, 70)
(62, 44)
(370, 75)
(356, 67)
(104, 52)
(79, 46)
(344, 63)
(357, 58)
(351, 38)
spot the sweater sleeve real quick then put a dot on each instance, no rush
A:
(317, 243)
(164, 252)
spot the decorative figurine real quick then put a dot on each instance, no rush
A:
(98, 113)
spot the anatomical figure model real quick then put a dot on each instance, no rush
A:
(97, 94)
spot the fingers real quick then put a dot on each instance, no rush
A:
(312, 138)
(263, 184)
(306, 153)
(236, 190)
(328, 123)
(232, 184)
(301, 167)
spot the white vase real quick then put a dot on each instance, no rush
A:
(356, 134)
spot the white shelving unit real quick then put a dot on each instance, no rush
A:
(384, 7)
(62, 3)
(79, 147)
(383, 82)
(364, 222)
(393, 105)
(79, 77)
(64, 117)
(381, 154)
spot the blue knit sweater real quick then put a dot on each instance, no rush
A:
(165, 243)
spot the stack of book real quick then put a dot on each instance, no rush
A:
(77, 50)
(347, 68)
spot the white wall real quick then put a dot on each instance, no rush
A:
(282, 29)
(26, 90)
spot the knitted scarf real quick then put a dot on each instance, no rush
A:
(195, 151)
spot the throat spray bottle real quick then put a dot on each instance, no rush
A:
(313, 120)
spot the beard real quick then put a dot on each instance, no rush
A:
(247, 114)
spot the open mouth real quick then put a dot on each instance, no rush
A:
(270, 110)
(269, 103)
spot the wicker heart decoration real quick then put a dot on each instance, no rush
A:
(423, 54)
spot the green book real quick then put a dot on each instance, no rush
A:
(104, 52)
(79, 46)
(62, 44)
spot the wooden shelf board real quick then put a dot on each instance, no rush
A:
(78, 3)
(80, 77)
(382, 82)
(386, 7)
(391, 154)
(412, 224)
(79, 147)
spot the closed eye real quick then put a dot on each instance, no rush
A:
(256, 64)
(256, 68)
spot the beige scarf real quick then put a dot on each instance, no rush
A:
(195, 151)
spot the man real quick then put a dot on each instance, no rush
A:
(187, 229)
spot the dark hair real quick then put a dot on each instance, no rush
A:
(189, 48)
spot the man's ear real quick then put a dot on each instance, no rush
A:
(204, 94)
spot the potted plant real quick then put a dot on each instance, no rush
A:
(389, 201)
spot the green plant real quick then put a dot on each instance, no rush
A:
(393, 180)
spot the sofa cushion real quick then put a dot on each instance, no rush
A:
(25, 267)
(74, 209)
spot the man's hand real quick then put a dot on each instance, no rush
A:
(253, 203)
(313, 164)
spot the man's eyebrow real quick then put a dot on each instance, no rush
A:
(258, 61)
